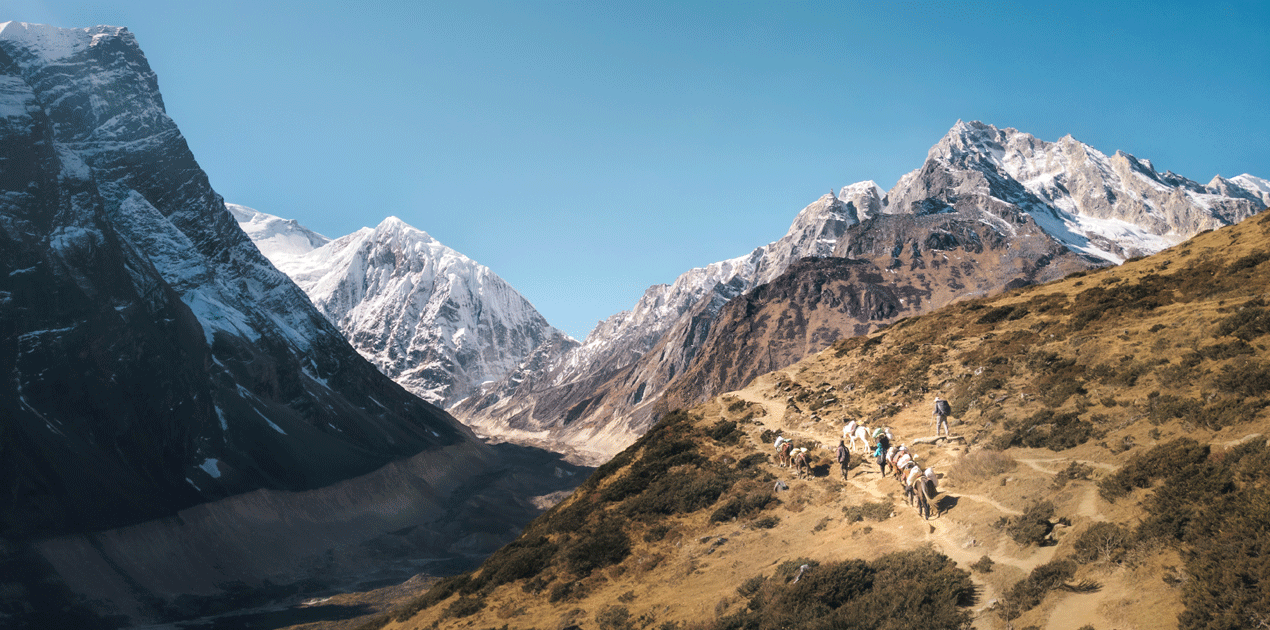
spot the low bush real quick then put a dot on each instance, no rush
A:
(1248, 323)
(983, 565)
(1074, 471)
(464, 607)
(523, 558)
(724, 432)
(602, 545)
(1144, 468)
(1033, 525)
(1045, 429)
(767, 522)
(614, 618)
(1244, 377)
(981, 464)
(909, 589)
(1103, 542)
(751, 586)
(439, 592)
(1215, 506)
(1027, 593)
(879, 511)
(743, 505)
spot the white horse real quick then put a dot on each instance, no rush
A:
(861, 433)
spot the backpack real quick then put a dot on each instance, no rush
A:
(942, 408)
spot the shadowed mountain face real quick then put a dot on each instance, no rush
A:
(155, 358)
(178, 424)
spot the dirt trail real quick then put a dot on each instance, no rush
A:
(946, 533)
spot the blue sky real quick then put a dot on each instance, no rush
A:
(587, 150)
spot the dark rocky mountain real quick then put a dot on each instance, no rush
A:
(177, 421)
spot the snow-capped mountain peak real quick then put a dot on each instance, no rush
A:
(1110, 207)
(433, 319)
(278, 239)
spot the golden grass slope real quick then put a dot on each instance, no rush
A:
(1054, 388)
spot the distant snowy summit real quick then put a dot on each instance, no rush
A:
(1031, 195)
(1109, 207)
(434, 320)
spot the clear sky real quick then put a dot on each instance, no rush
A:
(587, 150)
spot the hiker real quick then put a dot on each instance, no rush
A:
(844, 457)
(902, 460)
(942, 411)
(801, 466)
(883, 445)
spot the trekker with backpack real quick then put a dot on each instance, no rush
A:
(883, 445)
(844, 458)
(942, 411)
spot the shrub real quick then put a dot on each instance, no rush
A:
(1074, 471)
(746, 504)
(879, 511)
(1027, 593)
(1046, 429)
(751, 586)
(724, 432)
(1102, 542)
(1144, 468)
(1246, 378)
(603, 545)
(464, 607)
(767, 522)
(1033, 525)
(1247, 324)
(656, 532)
(614, 618)
(983, 565)
(523, 558)
(980, 465)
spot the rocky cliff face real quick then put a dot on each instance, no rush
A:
(157, 363)
(593, 400)
(148, 334)
(429, 317)
(989, 209)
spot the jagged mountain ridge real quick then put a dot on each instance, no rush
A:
(177, 421)
(432, 319)
(1056, 201)
(566, 407)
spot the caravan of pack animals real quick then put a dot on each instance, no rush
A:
(920, 486)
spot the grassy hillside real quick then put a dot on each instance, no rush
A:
(1109, 469)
